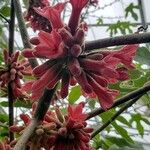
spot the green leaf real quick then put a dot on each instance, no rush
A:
(123, 27)
(131, 10)
(137, 118)
(5, 10)
(122, 132)
(140, 128)
(99, 21)
(146, 120)
(120, 142)
(143, 55)
(18, 103)
(135, 73)
(92, 103)
(123, 120)
(74, 95)
(4, 118)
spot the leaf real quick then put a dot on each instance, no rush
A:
(131, 10)
(122, 132)
(18, 103)
(4, 118)
(143, 55)
(74, 95)
(135, 73)
(123, 27)
(140, 128)
(137, 118)
(5, 10)
(123, 120)
(146, 120)
(92, 103)
(99, 21)
(120, 142)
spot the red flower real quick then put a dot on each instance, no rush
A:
(77, 6)
(75, 112)
(37, 22)
(93, 72)
(15, 74)
(53, 14)
(59, 132)
(49, 46)
(4, 145)
(126, 55)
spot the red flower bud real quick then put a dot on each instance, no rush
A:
(76, 50)
(62, 131)
(28, 53)
(79, 36)
(74, 67)
(66, 37)
(34, 41)
(82, 80)
(15, 128)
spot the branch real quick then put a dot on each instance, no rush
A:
(40, 112)
(23, 31)
(122, 100)
(26, 135)
(45, 100)
(2, 16)
(118, 40)
(10, 50)
(126, 106)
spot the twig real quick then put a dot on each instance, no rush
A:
(45, 100)
(23, 31)
(2, 16)
(27, 133)
(40, 112)
(11, 48)
(121, 100)
(126, 106)
(118, 40)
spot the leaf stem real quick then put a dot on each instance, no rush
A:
(2, 16)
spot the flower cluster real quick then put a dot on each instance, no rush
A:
(4, 145)
(37, 22)
(63, 49)
(12, 72)
(59, 132)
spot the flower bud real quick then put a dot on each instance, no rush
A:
(62, 131)
(39, 131)
(79, 36)
(59, 114)
(15, 128)
(13, 71)
(76, 50)
(34, 41)
(66, 37)
(27, 53)
(12, 77)
(74, 67)
(49, 126)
